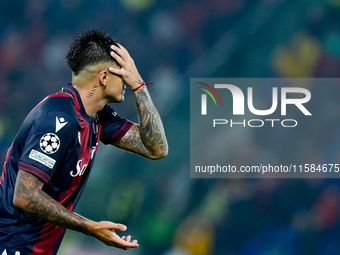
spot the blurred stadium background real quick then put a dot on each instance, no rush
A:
(171, 41)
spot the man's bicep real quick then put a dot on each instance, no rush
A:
(132, 142)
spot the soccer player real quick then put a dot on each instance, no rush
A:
(51, 156)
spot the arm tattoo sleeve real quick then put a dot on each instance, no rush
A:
(151, 128)
(35, 201)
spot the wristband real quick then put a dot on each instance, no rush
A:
(143, 83)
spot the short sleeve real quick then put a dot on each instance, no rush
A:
(49, 138)
(114, 127)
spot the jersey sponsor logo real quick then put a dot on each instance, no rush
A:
(60, 123)
(49, 143)
(80, 169)
(93, 150)
(42, 158)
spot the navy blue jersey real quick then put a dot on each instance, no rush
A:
(57, 142)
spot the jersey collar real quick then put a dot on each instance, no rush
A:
(77, 100)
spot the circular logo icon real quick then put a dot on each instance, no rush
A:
(49, 143)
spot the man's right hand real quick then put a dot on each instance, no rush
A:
(29, 196)
(105, 231)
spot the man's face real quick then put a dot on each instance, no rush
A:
(115, 88)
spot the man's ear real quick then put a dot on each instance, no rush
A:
(103, 76)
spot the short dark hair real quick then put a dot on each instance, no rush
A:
(89, 48)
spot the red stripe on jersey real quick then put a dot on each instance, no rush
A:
(2, 177)
(6, 161)
(73, 94)
(34, 170)
(122, 131)
(60, 94)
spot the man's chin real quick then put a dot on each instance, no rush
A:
(117, 100)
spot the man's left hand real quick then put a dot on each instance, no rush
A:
(128, 70)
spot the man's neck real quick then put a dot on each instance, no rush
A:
(90, 90)
(90, 98)
(90, 93)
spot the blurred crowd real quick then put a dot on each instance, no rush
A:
(171, 41)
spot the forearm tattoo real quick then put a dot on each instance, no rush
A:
(151, 127)
(38, 203)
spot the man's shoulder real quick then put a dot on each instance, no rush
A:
(59, 101)
(56, 107)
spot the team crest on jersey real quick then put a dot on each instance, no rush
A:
(42, 158)
(49, 143)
